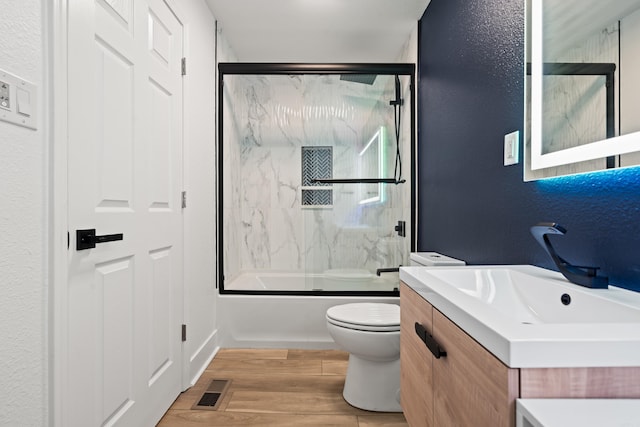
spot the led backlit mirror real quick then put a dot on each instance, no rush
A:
(583, 93)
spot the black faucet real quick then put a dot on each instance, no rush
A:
(583, 276)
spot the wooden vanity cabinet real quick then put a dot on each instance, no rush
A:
(467, 387)
(471, 387)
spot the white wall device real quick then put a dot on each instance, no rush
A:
(18, 100)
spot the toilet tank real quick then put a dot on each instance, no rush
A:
(432, 259)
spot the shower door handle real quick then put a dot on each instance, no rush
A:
(87, 239)
(429, 341)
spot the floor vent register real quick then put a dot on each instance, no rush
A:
(213, 395)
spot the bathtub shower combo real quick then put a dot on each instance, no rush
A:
(316, 195)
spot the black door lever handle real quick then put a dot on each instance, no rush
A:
(87, 239)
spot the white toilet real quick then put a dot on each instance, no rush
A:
(433, 259)
(370, 332)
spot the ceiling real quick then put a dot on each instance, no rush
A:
(317, 30)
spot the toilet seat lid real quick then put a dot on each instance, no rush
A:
(366, 316)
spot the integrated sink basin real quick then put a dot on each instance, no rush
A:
(531, 317)
(530, 299)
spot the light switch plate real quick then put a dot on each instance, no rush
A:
(512, 148)
(18, 99)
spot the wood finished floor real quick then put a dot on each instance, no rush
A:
(279, 388)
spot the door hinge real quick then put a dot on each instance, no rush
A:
(184, 333)
(184, 66)
(184, 199)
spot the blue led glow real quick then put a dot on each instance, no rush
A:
(616, 181)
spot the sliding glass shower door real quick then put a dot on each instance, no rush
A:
(316, 178)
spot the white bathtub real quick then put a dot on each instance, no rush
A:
(286, 321)
(331, 280)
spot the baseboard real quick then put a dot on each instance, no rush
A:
(202, 357)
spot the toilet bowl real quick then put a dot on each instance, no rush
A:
(370, 332)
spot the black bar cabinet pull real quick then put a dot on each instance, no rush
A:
(87, 239)
(431, 344)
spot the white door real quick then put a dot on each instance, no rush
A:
(123, 350)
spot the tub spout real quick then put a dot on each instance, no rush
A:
(387, 270)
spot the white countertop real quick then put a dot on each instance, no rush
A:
(519, 344)
(578, 412)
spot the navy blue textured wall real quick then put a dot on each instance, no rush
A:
(471, 93)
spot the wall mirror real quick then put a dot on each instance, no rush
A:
(582, 86)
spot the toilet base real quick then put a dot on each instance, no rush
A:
(373, 385)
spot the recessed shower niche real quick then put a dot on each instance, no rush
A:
(315, 172)
(317, 163)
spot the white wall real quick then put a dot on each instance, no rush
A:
(23, 193)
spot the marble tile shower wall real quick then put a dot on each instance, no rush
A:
(267, 121)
